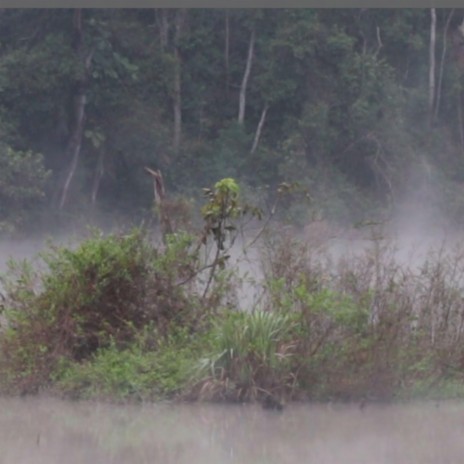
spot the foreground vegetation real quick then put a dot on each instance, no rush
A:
(120, 317)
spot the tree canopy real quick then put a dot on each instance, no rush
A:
(361, 106)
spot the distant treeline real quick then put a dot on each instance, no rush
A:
(361, 106)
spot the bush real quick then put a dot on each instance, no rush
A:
(252, 357)
(105, 291)
(93, 301)
(137, 372)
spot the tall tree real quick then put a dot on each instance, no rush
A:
(432, 71)
(180, 18)
(227, 49)
(84, 58)
(246, 77)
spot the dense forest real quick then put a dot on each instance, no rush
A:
(361, 107)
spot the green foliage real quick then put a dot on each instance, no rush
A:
(102, 292)
(338, 308)
(253, 354)
(22, 187)
(101, 285)
(350, 85)
(136, 372)
(229, 150)
(111, 373)
(223, 207)
(117, 318)
(87, 303)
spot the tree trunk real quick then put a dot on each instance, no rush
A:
(259, 129)
(177, 102)
(161, 203)
(460, 122)
(433, 32)
(442, 65)
(74, 145)
(246, 76)
(75, 141)
(227, 51)
(177, 97)
(379, 41)
(163, 27)
(98, 176)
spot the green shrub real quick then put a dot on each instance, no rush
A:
(134, 373)
(102, 294)
(104, 291)
(253, 354)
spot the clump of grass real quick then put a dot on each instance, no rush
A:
(252, 356)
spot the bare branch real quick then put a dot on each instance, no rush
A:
(379, 41)
(160, 201)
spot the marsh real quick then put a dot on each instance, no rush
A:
(51, 431)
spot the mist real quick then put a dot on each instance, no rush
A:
(41, 430)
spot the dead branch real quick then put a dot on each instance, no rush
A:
(160, 202)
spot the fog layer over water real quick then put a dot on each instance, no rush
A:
(53, 432)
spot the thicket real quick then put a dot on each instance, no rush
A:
(121, 317)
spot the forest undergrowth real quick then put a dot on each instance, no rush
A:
(121, 318)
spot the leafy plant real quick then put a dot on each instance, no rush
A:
(138, 372)
(105, 291)
(253, 356)
(22, 187)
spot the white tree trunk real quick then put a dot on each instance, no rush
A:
(177, 100)
(246, 76)
(227, 50)
(164, 29)
(433, 33)
(74, 145)
(460, 122)
(99, 171)
(161, 204)
(442, 65)
(259, 129)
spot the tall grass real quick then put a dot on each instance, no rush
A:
(252, 357)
